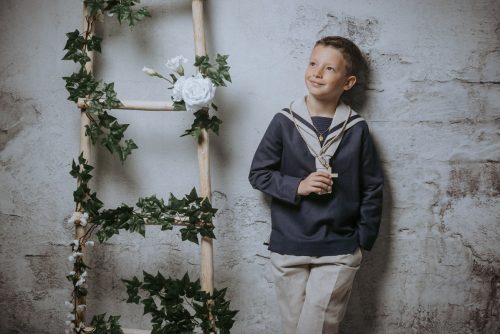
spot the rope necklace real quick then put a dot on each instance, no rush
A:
(319, 134)
(327, 144)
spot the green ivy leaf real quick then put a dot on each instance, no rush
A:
(179, 106)
(103, 326)
(94, 43)
(171, 303)
(94, 6)
(203, 121)
(80, 84)
(125, 12)
(133, 287)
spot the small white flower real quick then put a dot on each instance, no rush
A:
(197, 92)
(71, 273)
(71, 258)
(70, 316)
(176, 62)
(83, 221)
(149, 71)
(80, 281)
(73, 218)
(109, 13)
(84, 274)
(81, 307)
(85, 215)
(177, 91)
(75, 243)
(69, 305)
(89, 243)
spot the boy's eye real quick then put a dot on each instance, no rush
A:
(312, 63)
(329, 68)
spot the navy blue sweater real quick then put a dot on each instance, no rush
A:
(319, 225)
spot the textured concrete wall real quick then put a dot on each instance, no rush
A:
(432, 105)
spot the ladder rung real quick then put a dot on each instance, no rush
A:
(137, 105)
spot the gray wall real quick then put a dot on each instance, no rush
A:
(432, 106)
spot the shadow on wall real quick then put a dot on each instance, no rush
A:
(365, 304)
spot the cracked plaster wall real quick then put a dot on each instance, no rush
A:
(432, 104)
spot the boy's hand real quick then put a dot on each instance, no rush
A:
(317, 182)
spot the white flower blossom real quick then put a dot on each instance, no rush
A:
(84, 218)
(177, 91)
(81, 307)
(80, 281)
(71, 273)
(77, 254)
(69, 305)
(197, 92)
(89, 243)
(70, 316)
(109, 13)
(73, 218)
(75, 243)
(176, 62)
(149, 71)
(71, 258)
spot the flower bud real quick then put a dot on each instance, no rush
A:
(149, 71)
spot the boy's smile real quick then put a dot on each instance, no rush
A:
(326, 74)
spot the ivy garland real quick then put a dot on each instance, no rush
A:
(175, 305)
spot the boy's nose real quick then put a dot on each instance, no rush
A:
(318, 74)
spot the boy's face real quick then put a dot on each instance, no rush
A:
(326, 76)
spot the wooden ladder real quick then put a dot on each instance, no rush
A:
(206, 244)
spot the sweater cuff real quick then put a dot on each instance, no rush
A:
(366, 239)
(291, 186)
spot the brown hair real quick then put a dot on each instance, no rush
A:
(356, 64)
(352, 54)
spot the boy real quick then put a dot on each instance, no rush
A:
(318, 163)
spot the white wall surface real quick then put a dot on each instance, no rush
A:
(433, 107)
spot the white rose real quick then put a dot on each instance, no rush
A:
(177, 90)
(197, 92)
(176, 62)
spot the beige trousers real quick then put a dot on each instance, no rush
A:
(313, 292)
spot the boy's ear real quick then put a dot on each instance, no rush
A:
(349, 83)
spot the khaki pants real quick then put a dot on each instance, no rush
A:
(313, 292)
